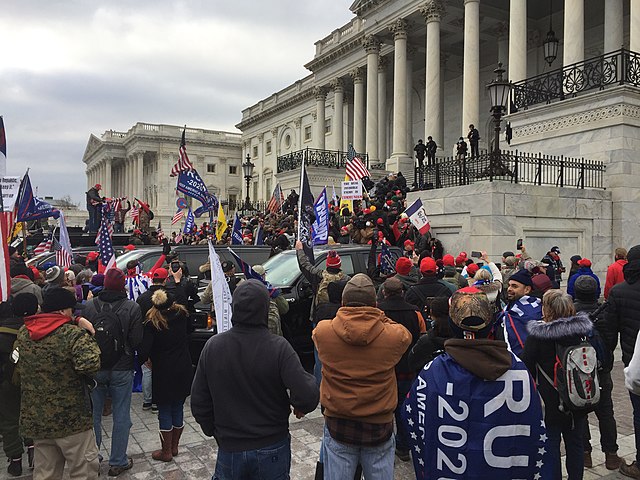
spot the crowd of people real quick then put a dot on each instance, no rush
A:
(468, 366)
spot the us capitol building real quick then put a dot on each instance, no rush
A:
(568, 104)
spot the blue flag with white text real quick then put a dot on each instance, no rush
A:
(321, 224)
(189, 223)
(236, 234)
(250, 273)
(31, 207)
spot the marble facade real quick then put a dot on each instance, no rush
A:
(136, 163)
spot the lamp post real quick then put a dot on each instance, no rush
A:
(247, 170)
(499, 90)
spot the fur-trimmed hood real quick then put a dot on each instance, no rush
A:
(580, 325)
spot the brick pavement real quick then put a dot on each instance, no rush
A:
(198, 453)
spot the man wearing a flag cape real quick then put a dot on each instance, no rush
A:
(474, 411)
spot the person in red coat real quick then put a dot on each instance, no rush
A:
(614, 272)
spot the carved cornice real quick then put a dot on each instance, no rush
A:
(336, 54)
(371, 44)
(357, 75)
(274, 132)
(432, 11)
(284, 105)
(297, 122)
(399, 29)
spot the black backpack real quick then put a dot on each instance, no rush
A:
(109, 334)
(425, 302)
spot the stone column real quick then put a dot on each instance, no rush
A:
(400, 159)
(372, 47)
(130, 178)
(434, 118)
(358, 109)
(139, 173)
(338, 114)
(382, 108)
(574, 31)
(471, 66)
(613, 25)
(321, 96)
(108, 190)
(297, 123)
(634, 30)
(517, 40)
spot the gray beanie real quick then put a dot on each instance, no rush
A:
(585, 288)
(359, 291)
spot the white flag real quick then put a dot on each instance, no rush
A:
(221, 292)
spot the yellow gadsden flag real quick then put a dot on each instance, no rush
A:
(222, 223)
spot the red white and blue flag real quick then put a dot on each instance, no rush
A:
(355, 168)
(64, 253)
(160, 232)
(277, 199)
(43, 246)
(183, 164)
(418, 216)
(107, 255)
(177, 216)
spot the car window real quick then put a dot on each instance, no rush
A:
(346, 261)
(282, 270)
(149, 261)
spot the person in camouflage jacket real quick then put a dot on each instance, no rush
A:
(57, 358)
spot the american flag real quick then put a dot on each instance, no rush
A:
(178, 238)
(177, 217)
(135, 214)
(64, 254)
(104, 242)
(183, 165)
(108, 217)
(160, 232)
(277, 199)
(355, 168)
(43, 246)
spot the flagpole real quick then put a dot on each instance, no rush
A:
(300, 197)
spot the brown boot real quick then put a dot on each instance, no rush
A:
(164, 455)
(588, 462)
(612, 461)
(177, 431)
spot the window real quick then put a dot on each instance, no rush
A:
(211, 168)
(307, 133)
(255, 191)
(268, 147)
(233, 201)
(267, 187)
(327, 126)
(233, 170)
(255, 151)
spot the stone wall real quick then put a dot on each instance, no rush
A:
(491, 216)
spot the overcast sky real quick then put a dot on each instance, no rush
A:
(71, 68)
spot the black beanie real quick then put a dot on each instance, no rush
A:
(24, 304)
(585, 288)
(634, 253)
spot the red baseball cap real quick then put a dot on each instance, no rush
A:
(91, 256)
(161, 273)
(585, 262)
(428, 265)
(129, 247)
(472, 269)
(448, 260)
(403, 266)
(409, 243)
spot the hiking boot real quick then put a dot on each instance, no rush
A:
(629, 470)
(116, 470)
(588, 462)
(146, 406)
(30, 454)
(15, 467)
(403, 455)
(612, 461)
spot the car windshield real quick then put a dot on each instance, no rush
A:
(282, 270)
(122, 260)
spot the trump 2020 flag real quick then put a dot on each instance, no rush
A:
(189, 223)
(321, 224)
(463, 426)
(236, 234)
(306, 215)
(221, 293)
(31, 207)
(418, 216)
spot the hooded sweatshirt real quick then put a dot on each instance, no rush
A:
(261, 374)
(359, 350)
(23, 284)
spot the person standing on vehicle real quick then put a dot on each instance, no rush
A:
(116, 379)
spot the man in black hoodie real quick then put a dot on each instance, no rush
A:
(621, 316)
(246, 382)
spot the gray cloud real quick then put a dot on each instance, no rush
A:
(75, 68)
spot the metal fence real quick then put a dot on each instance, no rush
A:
(516, 167)
(620, 67)
(320, 158)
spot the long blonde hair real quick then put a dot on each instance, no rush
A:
(162, 305)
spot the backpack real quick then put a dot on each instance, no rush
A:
(425, 302)
(575, 377)
(109, 334)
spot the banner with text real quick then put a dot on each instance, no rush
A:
(321, 224)
(221, 293)
(10, 189)
(352, 190)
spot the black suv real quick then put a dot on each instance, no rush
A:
(283, 272)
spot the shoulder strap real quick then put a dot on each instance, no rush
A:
(547, 377)
(418, 293)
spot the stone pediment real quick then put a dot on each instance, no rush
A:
(361, 6)
(94, 144)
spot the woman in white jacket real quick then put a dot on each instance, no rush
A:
(632, 371)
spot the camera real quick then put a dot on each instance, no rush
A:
(175, 267)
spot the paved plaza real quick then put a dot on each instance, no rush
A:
(197, 456)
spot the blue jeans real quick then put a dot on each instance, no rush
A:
(573, 446)
(341, 459)
(635, 403)
(171, 415)
(268, 463)
(146, 384)
(118, 384)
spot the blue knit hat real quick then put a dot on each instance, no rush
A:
(522, 276)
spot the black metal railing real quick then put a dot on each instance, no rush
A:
(620, 67)
(320, 158)
(516, 167)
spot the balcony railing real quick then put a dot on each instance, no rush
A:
(621, 67)
(320, 158)
(516, 167)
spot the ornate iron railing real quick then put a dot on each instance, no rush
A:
(621, 67)
(320, 158)
(516, 167)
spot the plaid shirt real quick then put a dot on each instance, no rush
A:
(358, 433)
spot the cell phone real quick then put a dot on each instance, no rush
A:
(519, 244)
(175, 267)
(475, 254)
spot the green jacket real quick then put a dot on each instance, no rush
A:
(57, 360)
